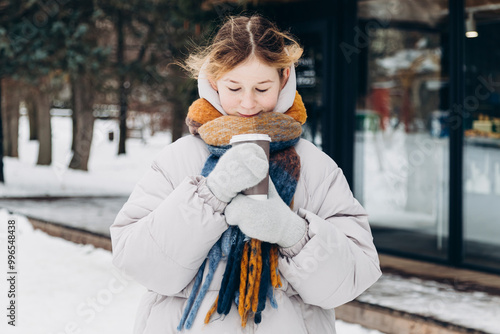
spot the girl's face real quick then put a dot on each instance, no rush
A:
(250, 88)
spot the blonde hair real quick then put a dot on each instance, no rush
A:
(240, 38)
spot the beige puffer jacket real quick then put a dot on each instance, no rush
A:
(171, 220)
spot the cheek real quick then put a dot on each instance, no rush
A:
(269, 102)
(227, 101)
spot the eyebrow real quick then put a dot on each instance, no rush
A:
(258, 83)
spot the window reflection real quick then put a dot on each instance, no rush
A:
(309, 83)
(482, 135)
(401, 152)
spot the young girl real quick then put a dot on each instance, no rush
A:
(217, 261)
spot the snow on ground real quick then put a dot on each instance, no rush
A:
(64, 287)
(109, 174)
(477, 310)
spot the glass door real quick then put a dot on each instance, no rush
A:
(402, 139)
(481, 178)
(310, 72)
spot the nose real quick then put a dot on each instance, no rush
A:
(248, 101)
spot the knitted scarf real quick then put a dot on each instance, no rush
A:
(251, 271)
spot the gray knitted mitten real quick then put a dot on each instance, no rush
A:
(241, 167)
(270, 220)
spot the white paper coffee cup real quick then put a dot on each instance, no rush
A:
(259, 191)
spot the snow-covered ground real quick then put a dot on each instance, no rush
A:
(109, 174)
(476, 310)
(63, 287)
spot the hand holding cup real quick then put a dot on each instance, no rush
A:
(241, 167)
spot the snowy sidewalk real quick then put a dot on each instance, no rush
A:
(437, 301)
(67, 288)
(94, 214)
(63, 287)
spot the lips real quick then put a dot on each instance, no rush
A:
(242, 115)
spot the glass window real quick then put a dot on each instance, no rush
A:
(482, 133)
(402, 139)
(310, 70)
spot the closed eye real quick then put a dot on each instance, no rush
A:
(262, 90)
(234, 90)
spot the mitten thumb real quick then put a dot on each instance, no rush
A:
(293, 226)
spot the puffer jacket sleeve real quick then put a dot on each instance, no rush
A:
(336, 260)
(165, 230)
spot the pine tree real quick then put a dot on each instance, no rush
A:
(150, 34)
(40, 40)
(23, 60)
(85, 60)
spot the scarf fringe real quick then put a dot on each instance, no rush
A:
(258, 261)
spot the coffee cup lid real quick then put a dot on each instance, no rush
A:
(249, 137)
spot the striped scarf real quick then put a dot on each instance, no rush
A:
(251, 272)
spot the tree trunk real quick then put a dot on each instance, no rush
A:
(31, 106)
(123, 91)
(123, 118)
(11, 117)
(2, 178)
(73, 116)
(42, 100)
(178, 117)
(83, 111)
(177, 95)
